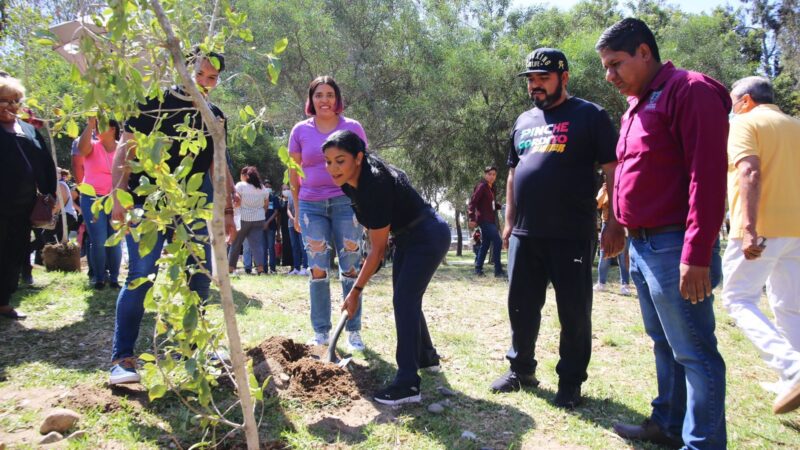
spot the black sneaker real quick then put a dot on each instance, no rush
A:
(99, 286)
(501, 274)
(568, 397)
(512, 381)
(398, 395)
(479, 273)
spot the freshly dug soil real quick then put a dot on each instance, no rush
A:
(63, 257)
(85, 397)
(297, 372)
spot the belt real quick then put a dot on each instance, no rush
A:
(643, 233)
(425, 214)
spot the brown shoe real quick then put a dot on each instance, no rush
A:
(788, 401)
(647, 431)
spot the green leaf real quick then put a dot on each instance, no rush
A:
(147, 242)
(68, 102)
(150, 301)
(72, 129)
(190, 318)
(44, 41)
(124, 197)
(194, 182)
(108, 204)
(147, 357)
(87, 189)
(249, 110)
(283, 154)
(280, 46)
(138, 282)
(273, 74)
(157, 392)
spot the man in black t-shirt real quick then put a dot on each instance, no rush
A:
(550, 227)
(166, 116)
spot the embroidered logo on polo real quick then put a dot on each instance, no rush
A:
(651, 104)
(543, 139)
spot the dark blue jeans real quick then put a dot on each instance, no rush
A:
(130, 302)
(269, 249)
(98, 230)
(418, 253)
(299, 257)
(489, 237)
(689, 368)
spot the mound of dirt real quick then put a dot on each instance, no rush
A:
(297, 372)
(85, 397)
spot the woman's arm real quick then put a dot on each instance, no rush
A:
(378, 240)
(85, 143)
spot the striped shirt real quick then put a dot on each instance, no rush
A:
(252, 207)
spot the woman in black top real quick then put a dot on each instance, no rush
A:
(384, 202)
(25, 166)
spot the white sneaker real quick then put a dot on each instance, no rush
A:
(303, 272)
(318, 339)
(625, 290)
(292, 272)
(600, 287)
(354, 342)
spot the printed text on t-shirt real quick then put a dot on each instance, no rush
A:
(546, 138)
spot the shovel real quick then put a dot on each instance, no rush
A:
(330, 355)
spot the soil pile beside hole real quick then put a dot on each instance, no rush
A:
(296, 373)
(105, 399)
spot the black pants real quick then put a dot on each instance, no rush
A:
(15, 236)
(418, 253)
(567, 263)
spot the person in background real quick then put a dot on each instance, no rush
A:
(322, 211)
(299, 257)
(65, 198)
(25, 167)
(482, 213)
(385, 202)
(254, 199)
(764, 244)
(670, 195)
(605, 263)
(271, 228)
(98, 157)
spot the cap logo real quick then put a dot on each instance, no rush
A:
(561, 65)
(538, 60)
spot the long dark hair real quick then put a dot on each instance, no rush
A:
(252, 176)
(353, 144)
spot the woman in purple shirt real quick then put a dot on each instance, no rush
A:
(323, 212)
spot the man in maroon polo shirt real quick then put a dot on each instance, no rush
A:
(482, 213)
(670, 194)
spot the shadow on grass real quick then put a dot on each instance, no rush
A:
(462, 413)
(85, 346)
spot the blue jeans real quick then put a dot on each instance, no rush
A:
(689, 368)
(299, 258)
(605, 264)
(324, 224)
(418, 253)
(102, 257)
(269, 249)
(489, 237)
(130, 303)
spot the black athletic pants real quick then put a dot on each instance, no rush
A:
(567, 263)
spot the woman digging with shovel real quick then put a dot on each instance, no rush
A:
(384, 202)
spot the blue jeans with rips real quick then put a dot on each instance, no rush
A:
(99, 229)
(489, 237)
(689, 368)
(325, 224)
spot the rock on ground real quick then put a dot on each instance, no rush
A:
(59, 419)
(469, 435)
(51, 437)
(436, 408)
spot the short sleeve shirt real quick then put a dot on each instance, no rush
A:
(553, 153)
(306, 140)
(173, 111)
(384, 197)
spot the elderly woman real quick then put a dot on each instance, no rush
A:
(25, 167)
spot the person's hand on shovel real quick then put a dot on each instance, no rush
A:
(352, 302)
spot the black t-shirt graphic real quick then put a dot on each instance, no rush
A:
(175, 109)
(384, 197)
(554, 154)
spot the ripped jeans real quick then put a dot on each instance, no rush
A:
(323, 224)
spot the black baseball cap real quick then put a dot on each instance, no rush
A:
(545, 60)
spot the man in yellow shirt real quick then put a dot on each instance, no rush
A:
(764, 241)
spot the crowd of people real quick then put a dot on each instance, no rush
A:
(667, 174)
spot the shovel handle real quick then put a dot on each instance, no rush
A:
(335, 337)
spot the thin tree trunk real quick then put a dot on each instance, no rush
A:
(217, 130)
(61, 204)
(459, 233)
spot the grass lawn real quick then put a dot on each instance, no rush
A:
(62, 351)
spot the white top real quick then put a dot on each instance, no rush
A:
(253, 198)
(69, 208)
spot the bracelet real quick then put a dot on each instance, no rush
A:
(229, 210)
(357, 288)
